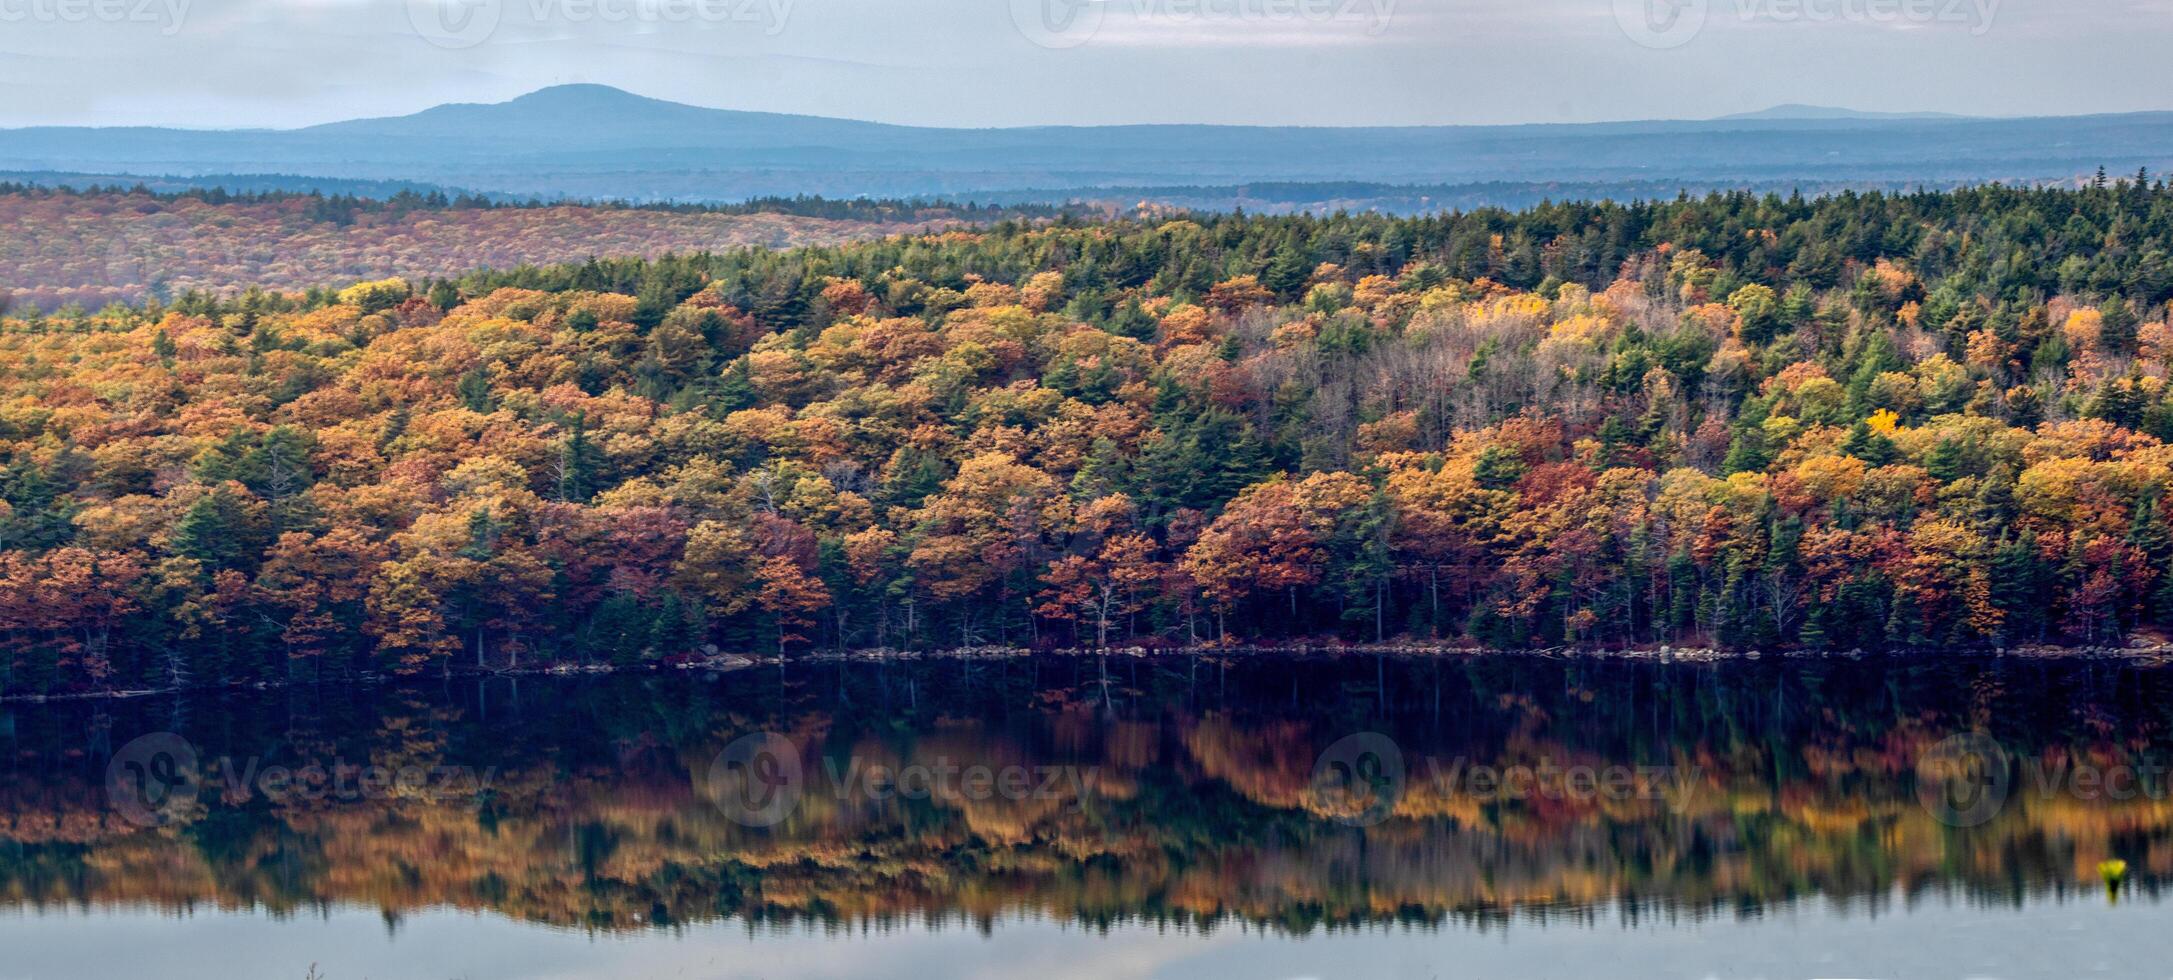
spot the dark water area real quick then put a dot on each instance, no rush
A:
(1075, 816)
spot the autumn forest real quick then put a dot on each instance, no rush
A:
(1904, 423)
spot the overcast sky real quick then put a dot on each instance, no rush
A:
(222, 63)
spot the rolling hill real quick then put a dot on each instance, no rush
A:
(600, 142)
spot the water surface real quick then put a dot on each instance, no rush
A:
(1313, 817)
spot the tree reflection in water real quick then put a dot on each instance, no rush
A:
(1175, 790)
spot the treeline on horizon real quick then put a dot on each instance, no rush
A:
(1328, 197)
(341, 207)
(1897, 422)
(69, 250)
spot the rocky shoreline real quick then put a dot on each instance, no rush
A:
(2137, 652)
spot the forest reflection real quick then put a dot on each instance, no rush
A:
(1177, 790)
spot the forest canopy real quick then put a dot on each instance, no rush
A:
(1923, 421)
(92, 246)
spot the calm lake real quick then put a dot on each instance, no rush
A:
(1081, 817)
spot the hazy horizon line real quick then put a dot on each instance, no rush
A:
(1772, 113)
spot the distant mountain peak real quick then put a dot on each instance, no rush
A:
(1797, 111)
(575, 88)
(581, 94)
(574, 115)
(572, 99)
